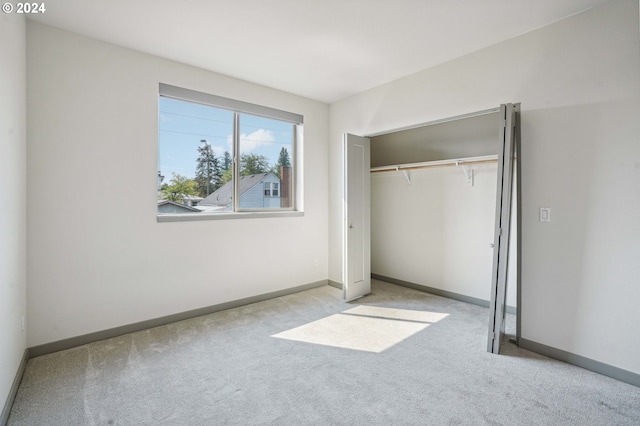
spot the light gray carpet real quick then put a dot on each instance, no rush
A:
(226, 368)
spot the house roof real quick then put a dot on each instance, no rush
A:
(181, 206)
(224, 195)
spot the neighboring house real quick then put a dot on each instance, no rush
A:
(186, 205)
(256, 191)
(191, 200)
(171, 207)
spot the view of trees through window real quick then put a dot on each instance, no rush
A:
(196, 159)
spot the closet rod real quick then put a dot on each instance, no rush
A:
(440, 163)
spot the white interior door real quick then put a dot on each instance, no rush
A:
(357, 218)
(497, 308)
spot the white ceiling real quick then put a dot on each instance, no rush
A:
(321, 49)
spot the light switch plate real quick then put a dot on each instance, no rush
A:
(545, 214)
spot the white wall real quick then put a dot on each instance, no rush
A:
(13, 187)
(98, 258)
(578, 83)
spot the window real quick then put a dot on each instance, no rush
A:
(217, 155)
(271, 189)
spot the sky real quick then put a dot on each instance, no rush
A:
(182, 125)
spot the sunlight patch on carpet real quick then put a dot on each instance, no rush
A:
(364, 328)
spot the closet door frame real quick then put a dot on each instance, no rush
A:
(515, 107)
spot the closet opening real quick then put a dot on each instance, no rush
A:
(436, 211)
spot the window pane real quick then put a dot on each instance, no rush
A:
(194, 162)
(266, 163)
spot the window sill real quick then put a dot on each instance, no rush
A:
(226, 216)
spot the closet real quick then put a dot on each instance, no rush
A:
(433, 208)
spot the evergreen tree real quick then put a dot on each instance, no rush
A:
(226, 162)
(208, 172)
(284, 160)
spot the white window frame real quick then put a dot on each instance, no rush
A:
(239, 107)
